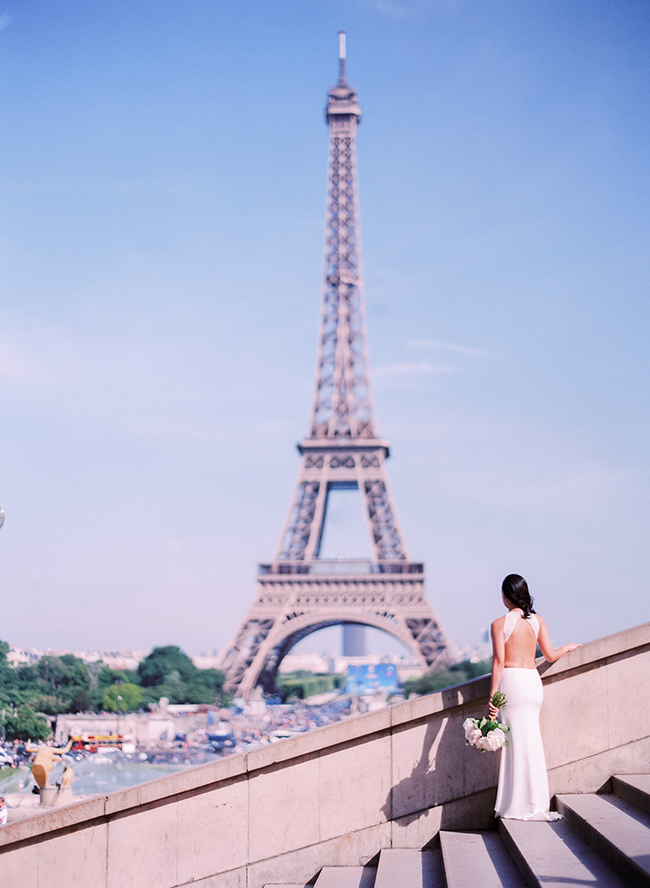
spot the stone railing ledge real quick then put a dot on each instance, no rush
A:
(176, 784)
(345, 731)
(627, 641)
(459, 695)
(54, 819)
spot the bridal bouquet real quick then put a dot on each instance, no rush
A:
(487, 734)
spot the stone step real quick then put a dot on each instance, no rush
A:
(616, 828)
(552, 855)
(633, 788)
(404, 868)
(478, 858)
(346, 877)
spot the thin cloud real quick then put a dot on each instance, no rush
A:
(182, 431)
(5, 20)
(387, 7)
(550, 485)
(408, 8)
(412, 368)
(17, 366)
(448, 346)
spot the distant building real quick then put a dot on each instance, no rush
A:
(354, 640)
(127, 660)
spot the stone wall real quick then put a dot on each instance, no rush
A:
(338, 795)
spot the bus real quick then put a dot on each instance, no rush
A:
(101, 743)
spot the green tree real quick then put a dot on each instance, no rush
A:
(25, 724)
(169, 672)
(131, 696)
(8, 675)
(50, 704)
(108, 676)
(77, 674)
(61, 681)
(165, 664)
(81, 701)
(206, 686)
(50, 671)
(438, 679)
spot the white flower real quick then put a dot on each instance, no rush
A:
(473, 736)
(495, 740)
(482, 743)
(468, 726)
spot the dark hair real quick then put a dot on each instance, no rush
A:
(515, 588)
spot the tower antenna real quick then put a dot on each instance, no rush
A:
(341, 58)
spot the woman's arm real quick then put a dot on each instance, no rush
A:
(498, 659)
(545, 644)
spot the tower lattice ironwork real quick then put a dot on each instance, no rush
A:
(299, 593)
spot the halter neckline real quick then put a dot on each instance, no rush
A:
(511, 621)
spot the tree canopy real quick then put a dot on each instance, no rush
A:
(122, 698)
(169, 672)
(437, 679)
(58, 684)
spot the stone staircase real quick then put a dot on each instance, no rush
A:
(602, 840)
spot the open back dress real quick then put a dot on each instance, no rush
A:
(523, 785)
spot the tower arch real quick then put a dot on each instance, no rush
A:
(288, 635)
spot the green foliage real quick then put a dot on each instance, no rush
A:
(76, 673)
(65, 684)
(438, 679)
(164, 665)
(169, 672)
(81, 701)
(108, 677)
(25, 724)
(131, 696)
(50, 672)
(205, 686)
(50, 704)
(305, 684)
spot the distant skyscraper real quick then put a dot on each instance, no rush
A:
(354, 640)
(299, 592)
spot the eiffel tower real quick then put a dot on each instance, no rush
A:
(299, 593)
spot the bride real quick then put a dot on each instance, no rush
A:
(523, 785)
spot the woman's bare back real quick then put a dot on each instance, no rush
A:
(521, 647)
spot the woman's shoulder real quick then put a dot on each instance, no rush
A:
(498, 623)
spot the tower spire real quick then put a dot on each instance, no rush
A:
(342, 54)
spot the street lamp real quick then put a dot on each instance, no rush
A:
(119, 708)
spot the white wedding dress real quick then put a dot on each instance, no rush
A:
(523, 785)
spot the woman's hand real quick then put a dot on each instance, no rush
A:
(492, 710)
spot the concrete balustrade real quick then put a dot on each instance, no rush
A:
(336, 796)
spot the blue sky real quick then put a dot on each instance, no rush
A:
(162, 178)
